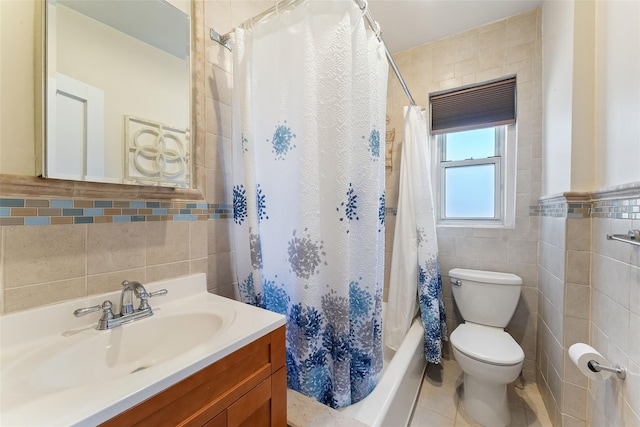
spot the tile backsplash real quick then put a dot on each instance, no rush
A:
(31, 211)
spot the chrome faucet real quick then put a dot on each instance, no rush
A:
(127, 312)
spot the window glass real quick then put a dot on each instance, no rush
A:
(470, 191)
(476, 144)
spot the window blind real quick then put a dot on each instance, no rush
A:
(484, 105)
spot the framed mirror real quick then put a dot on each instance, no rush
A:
(118, 92)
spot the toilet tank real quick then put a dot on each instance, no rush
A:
(485, 297)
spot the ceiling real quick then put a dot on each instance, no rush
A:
(410, 23)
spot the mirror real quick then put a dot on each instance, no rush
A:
(118, 84)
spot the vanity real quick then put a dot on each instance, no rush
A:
(200, 359)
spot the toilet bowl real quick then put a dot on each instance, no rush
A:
(489, 357)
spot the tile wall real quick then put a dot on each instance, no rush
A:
(615, 312)
(589, 292)
(564, 297)
(51, 262)
(506, 47)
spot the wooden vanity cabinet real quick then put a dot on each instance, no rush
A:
(245, 388)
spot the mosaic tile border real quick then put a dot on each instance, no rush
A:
(617, 209)
(31, 211)
(620, 208)
(564, 209)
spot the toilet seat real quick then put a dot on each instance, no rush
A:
(487, 344)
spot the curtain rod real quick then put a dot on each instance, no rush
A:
(224, 39)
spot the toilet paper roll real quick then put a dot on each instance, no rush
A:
(581, 354)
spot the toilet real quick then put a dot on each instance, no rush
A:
(489, 357)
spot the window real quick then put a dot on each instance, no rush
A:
(470, 174)
(474, 159)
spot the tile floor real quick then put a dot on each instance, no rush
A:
(439, 401)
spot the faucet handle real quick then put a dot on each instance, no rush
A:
(82, 311)
(159, 293)
(107, 314)
(144, 296)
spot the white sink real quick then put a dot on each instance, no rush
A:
(55, 363)
(97, 357)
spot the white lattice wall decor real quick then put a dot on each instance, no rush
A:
(156, 154)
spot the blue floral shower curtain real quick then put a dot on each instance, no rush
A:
(415, 279)
(308, 191)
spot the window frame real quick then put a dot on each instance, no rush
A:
(503, 216)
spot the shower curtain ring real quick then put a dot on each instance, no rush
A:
(364, 7)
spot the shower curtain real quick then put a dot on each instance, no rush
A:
(415, 280)
(308, 191)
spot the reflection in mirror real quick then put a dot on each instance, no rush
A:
(118, 105)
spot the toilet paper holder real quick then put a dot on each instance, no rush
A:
(618, 370)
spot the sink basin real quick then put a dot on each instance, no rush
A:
(96, 357)
(58, 370)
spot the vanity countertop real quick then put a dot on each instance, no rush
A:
(57, 369)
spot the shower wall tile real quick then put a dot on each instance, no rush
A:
(219, 85)
(218, 55)
(217, 15)
(218, 118)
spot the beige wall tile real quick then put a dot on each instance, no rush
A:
(579, 234)
(219, 84)
(575, 330)
(217, 15)
(216, 190)
(25, 297)
(221, 270)
(214, 156)
(108, 282)
(199, 265)
(167, 271)
(42, 254)
(578, 267)
(198, 238)
(228, 291)
(577, 301)
(218, 118)
(613, 278)
(219, 235)
(167, 241)
(522, 251)
(484, 249)
(115, 247)
(218, 55)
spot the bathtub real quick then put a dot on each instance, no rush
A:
(391, 402)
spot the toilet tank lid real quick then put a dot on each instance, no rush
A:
(485, 276)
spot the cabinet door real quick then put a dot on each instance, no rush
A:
(253, 409)
(219, 421)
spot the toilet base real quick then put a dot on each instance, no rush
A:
(486, 403)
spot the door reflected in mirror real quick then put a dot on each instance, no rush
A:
(118, 85)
